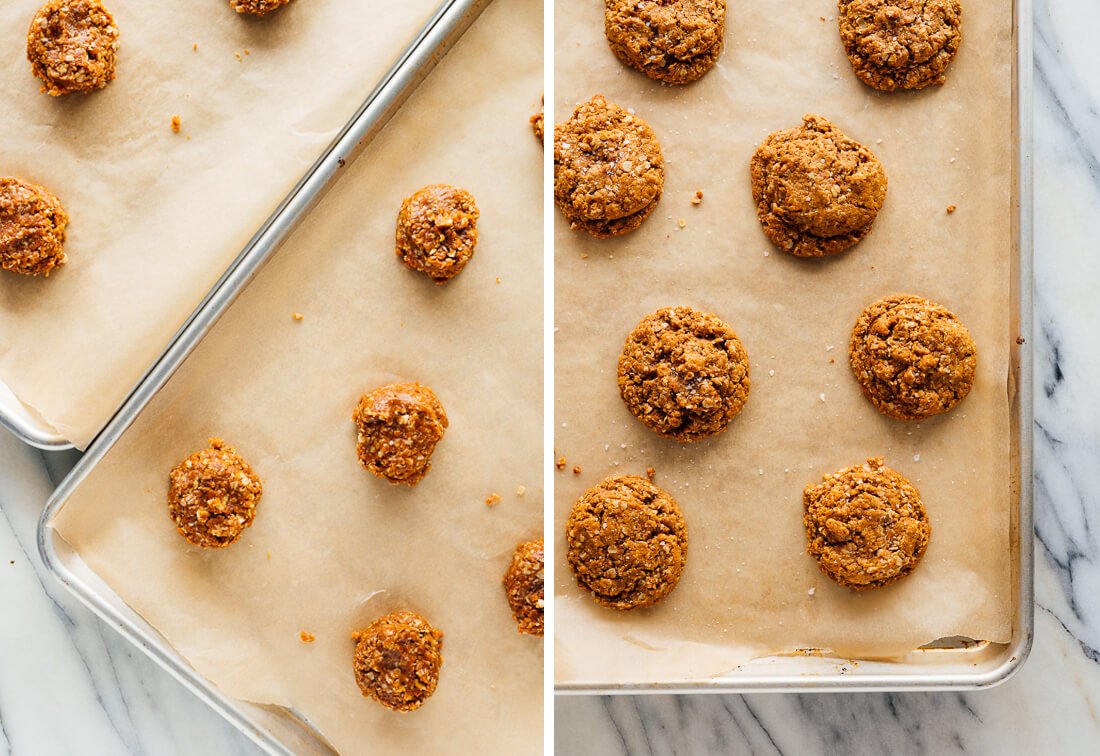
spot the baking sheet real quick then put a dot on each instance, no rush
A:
(749, 590)
(156, 217)
(333, 547)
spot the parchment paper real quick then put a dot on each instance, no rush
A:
(157, 217)
(749, 589)
(333, 547)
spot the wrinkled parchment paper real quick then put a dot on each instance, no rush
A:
(749, 589)
(333, 547)
(157, 217)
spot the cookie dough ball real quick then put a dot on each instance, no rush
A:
(608, 169)
(627, 542)
(817, 192)
(913, 358)
(72, 46)
(523, 584)
(32, 228)
(397, 660)
(213, 496)
(399, 425)
(256, 7)
(684, 374)
(866, 525)
(900, 44)
(674, 41)
(437, 231)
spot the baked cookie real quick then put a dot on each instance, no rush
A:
(397, 660)
(437, 231)
(913, 358)
(257, 7)
(684, 374)
(817, 192)
(900, 44)
(866, 525)
(32, 228)
(212, 496)
(626, 542)
(72, 45)
(674, 41)
(523, 584)
(608, 169)
(398, 427)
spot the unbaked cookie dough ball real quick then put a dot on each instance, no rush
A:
(684, 374)
(72, 46)
(256, 7)
(817, 192)
(608, 169)
(32, 228)
(900, 44)
(626, 542)
(866, 525)
(523, 584)
(399, 426)
(674, 41)
(437, 231)
(213, 496)
(397, 660)
(913, 358)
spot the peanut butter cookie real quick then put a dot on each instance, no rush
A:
(817, 192)
(399, 426)
(523, 584)
(608, 169)
(913, 358)
(900, 44)
(32, 228)
(626, 542)
(397, 660)
(684, 374)
(213, 495)
(257, 7)
(437, 231)
(674, 41)
(866, 525)
(72, 46)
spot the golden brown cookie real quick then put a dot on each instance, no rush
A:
(626, 542)
(257, 7)
(72, 45)
(900, 44)
(817, 192)
(913, 358)
(398, 427)
(437, 231)
(608, 169)
(866, 525)
(674, 41)
(397, 660)
(32, 228)
(538, 125)
(684, 374)
(523, 584)
(213, 495)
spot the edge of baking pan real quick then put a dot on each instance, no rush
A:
(21, 422)
(842, 676)
(450, 20)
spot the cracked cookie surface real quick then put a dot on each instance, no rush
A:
(524, 586)
(32, 228)
(437, 231)
(72, 46)
(213, 495)
(398, 658)
(398, 427)
(674, 41)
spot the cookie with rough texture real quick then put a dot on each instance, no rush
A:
(213, 495)
(397, 660)
(674, 41)
(626, 542)
(866, 525)
(817, 192)
(257, 7)
(900, 44)
(913, 358)
(523, 585)
(32, 228)
(72, 46)
(684, 374)
(437, 231)
(538, 125)
(608, 169)
(398, 426)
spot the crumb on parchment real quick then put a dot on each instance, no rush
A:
(492, 499)
(698, 198)
(521, 490)
(306, 637)
(298, 317)
(577, 470)
(650, 472)
(175, 124)
(951, 209)
(560, 463)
